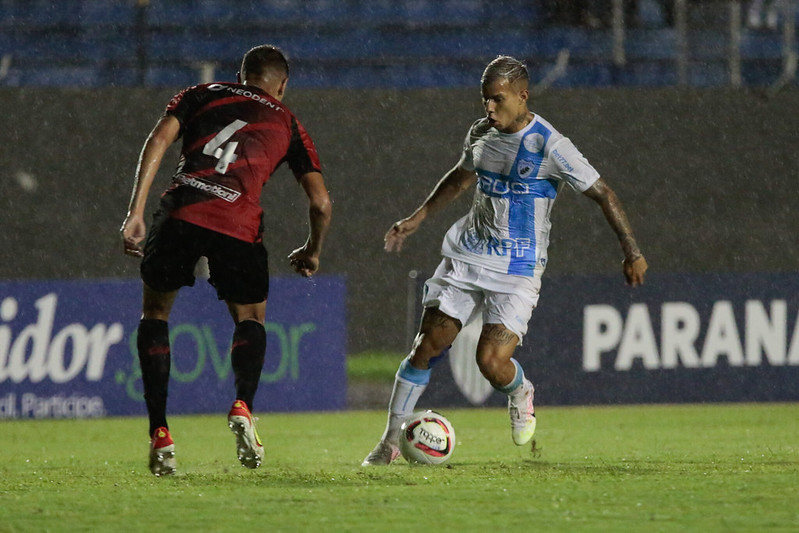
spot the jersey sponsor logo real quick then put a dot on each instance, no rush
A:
(503, 188)
(220, 191)
(562, 160)
(534, 142)
(245, 93)
(471, 241)
(515, 248)
(511, 247)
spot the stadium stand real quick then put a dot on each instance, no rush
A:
(360, 43)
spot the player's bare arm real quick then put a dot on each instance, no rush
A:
(305, 259)
(448, 188)
(634, 264)
(134, 229)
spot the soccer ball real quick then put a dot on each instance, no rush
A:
(427, 437)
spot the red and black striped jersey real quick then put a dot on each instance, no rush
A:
(234, 137)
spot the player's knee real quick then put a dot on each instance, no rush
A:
(242, 312)
(489, 364)
(156, 311)
(157, 305)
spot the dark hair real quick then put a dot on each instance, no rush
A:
(260, 59)
(505, 67)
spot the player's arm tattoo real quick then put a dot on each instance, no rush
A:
(499, 334)
(614, 213)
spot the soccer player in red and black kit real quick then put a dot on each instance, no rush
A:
(234, 137)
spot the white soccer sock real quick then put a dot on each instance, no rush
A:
(404, 397)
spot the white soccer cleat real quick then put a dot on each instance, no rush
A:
(522, 415)
(384, 454)
(162, 453)
(249, 449)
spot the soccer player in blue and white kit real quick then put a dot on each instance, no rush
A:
(495, 255)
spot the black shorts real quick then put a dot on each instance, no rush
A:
(239, 270)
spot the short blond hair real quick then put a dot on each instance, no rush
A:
(506, 68)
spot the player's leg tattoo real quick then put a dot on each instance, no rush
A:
(435, 318)
(436, 333)
(499, 334)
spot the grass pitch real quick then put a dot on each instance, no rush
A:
(642, 468)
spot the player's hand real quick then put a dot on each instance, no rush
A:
(133, 231)
(634, 271)
(398, 233)
(303, 262)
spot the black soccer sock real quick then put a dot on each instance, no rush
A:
(247, 358)
(155, 360)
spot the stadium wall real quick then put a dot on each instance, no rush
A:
(708, 178)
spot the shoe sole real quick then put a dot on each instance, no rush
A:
(367, 462)
(246, 445)
(163, 463)
(382, 460)
(523, 438)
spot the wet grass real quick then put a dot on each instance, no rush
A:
(640, 468)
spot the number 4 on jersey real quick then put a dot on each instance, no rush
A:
(226, 155)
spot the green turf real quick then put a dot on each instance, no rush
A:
(373, 367)
(658, 468)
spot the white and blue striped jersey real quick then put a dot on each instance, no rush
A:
(519, 176)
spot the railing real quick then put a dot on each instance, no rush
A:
(557, 55)
(786, 8)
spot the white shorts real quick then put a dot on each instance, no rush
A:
(462, 290)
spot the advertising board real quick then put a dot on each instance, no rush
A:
(679, 338)
(68, 349)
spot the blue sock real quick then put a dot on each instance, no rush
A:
(517, 380)
(413, 375)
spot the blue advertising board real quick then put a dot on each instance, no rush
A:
(68, 349)
(679, 338)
